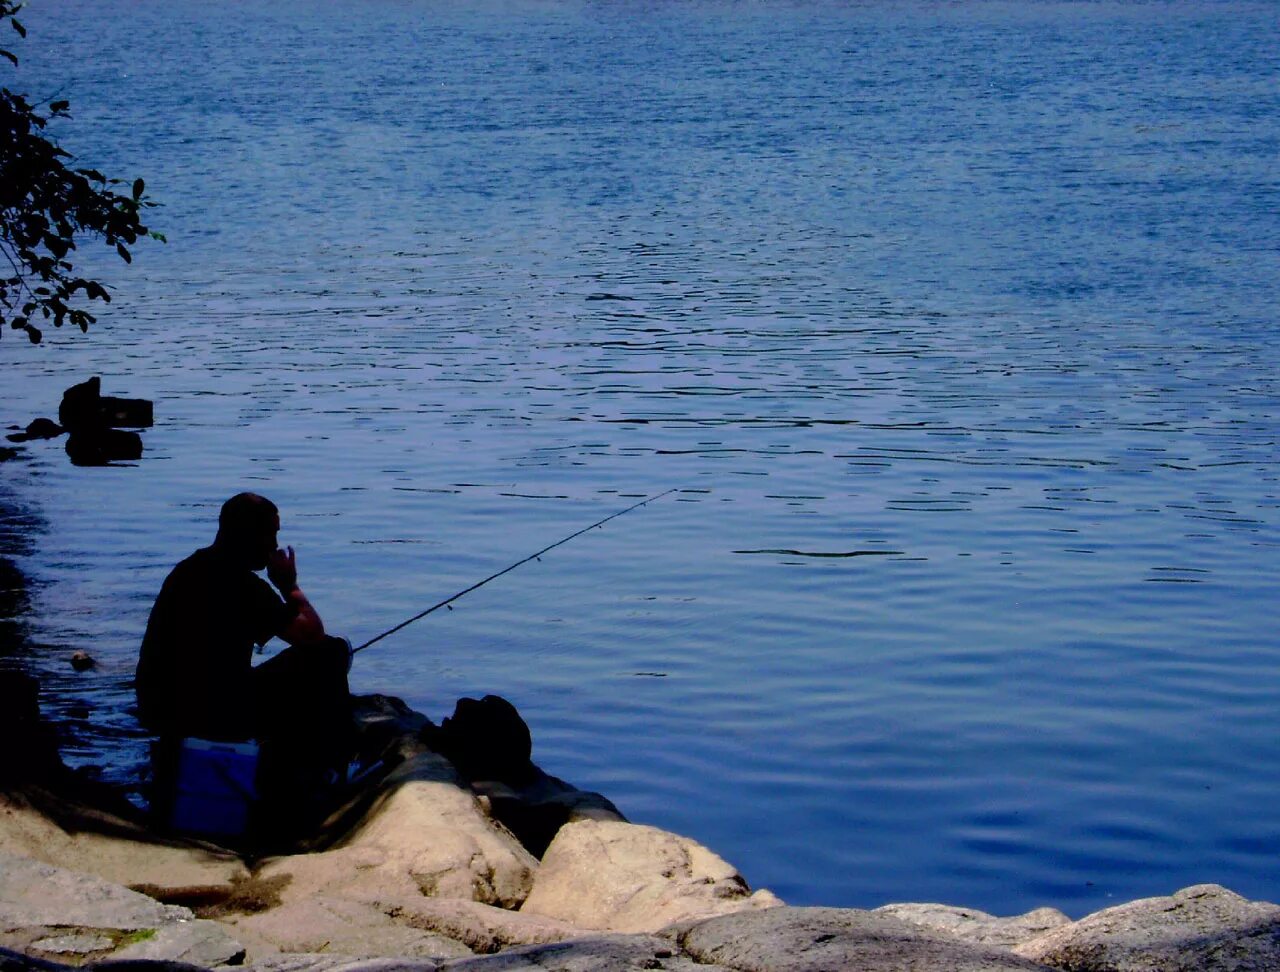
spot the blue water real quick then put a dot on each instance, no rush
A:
(953, 325)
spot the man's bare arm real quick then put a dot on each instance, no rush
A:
(306, 627)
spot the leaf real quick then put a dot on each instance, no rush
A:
(138, 186)
(124, 254)
(59, 107)
(22, 31)
(11, 56)
(34, 334)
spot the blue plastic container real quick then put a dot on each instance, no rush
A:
(214, 791)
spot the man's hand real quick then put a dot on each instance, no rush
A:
(282, 570)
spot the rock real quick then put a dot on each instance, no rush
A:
(83, 943)
(51, 828)
(1204, 928)
(79, 408)
(333, 925)
(813, 939)
(978, 927)
(82, 661)
(584, 955)
(191, 941)
(336, 963)
(94, 423)
(53, 911)
(84, 408)
(37, 894)
(424, 834)
(482, 928)
(126, 413)
(537, 810)
(626, 877)
(490, 746)
(41, 428)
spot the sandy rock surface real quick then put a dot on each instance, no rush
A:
(113, 848)
(1204, 928)
(425, 834)
(625, 877)
(482, 928)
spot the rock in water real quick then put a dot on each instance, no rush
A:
(82, 661)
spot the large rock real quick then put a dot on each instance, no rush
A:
(613, 952)
(1204, 928)
(48, 827)
(425, 834)
(537, 809)
(821, 939)
(49, 813)
(334, 925)
(53, 913)
(978, 927)
(311, 962)
(627, 877)
(482, 928)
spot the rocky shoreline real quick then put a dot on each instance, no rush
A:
(435, 869)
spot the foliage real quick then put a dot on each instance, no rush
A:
(45, 206)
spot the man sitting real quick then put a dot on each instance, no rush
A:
(196, 678)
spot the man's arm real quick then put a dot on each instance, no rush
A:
(306, 627)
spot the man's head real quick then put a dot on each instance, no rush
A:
(247, 529)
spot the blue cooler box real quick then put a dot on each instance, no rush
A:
(214, 789)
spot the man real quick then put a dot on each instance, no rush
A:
(195, 675)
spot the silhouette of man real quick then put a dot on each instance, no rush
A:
(195, 675)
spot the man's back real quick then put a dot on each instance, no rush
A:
(194, 668)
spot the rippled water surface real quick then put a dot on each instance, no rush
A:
(952, 325)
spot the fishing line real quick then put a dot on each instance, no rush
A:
(533, 556)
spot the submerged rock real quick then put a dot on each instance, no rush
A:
(41, 428)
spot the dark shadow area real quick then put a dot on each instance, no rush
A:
(16, 528)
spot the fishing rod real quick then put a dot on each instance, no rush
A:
(533, 556)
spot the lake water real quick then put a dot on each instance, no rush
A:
(952, 324)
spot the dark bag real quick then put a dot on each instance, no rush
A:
(485, 739)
